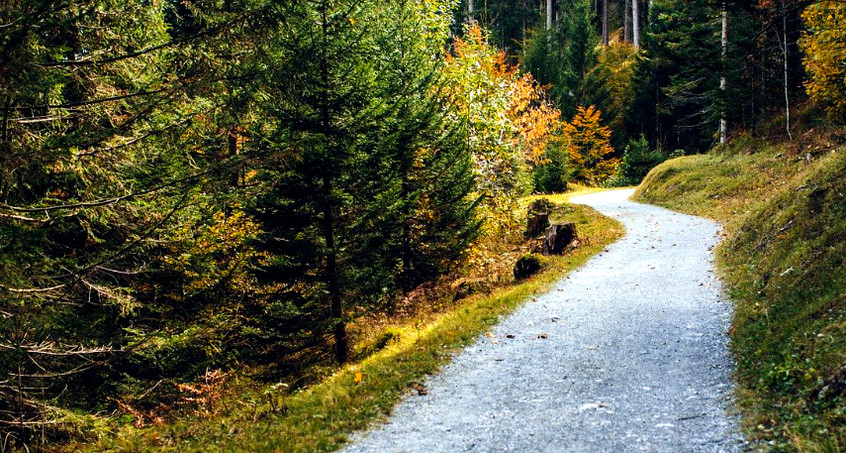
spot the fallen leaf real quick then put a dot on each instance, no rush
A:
(358, 378)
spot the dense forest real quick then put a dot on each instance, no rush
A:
(189, 188)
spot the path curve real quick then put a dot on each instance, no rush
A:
(635, 357)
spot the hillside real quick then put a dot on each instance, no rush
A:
(782, 259)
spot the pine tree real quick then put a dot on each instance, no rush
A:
(362, 153)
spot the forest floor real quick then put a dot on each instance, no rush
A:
(628, 353)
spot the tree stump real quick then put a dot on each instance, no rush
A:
(558, 237)
(538, 222)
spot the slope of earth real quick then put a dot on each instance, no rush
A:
(629, 353)
(784, 262)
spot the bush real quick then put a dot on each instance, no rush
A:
(638, 160)
(553, 175)
(528, 265)
(541, 206)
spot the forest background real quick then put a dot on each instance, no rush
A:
(190, 189)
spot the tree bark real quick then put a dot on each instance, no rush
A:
(604, 22)
(549, 15)
(786, 71)
(525, 24)
(636, 24)
(627, 24)
(723, 81)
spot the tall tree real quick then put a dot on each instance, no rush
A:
(636, 24)
(724, 42)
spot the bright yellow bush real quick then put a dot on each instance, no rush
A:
(588, 146)
(824, 44)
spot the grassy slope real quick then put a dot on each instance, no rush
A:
(784, 264)
(320, 418)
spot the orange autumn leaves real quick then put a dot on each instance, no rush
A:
(512, 122)
(509, 115)
(588, 147)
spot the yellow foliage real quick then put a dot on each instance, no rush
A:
(216, 252)
(824, 44)
(510, 122)
(588, 146)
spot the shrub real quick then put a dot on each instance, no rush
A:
(528, 265)
(553, 174)
(637, 161)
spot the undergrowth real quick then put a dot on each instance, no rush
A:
(256, 417)
(783, 260)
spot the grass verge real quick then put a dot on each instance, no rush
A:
(784, 263)
(261, 418)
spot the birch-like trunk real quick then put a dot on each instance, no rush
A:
(723, 81)
(549, 14)
(786, 71)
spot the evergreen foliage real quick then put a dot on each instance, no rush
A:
(194, 186)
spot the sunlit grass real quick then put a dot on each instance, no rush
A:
(783, 261)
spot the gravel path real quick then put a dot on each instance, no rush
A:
(629, 353)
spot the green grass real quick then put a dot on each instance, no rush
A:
(784, 263)
(320, 418)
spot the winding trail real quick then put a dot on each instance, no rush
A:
(634, 357)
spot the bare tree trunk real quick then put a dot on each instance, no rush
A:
(636, 24)
(786, 71)
(549, 14)
(7, 110)
(470, 7)
(627, 24)
(525, 25)
(604, 22)
(723, 82)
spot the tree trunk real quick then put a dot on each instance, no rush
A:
(723, 82)
(627, 24)
(558, 237)
(7, 111)
(470, 7)
(525, 24)
(786, 71)
(332, 277)
(549, 15)
(636, 24)
(604, 22)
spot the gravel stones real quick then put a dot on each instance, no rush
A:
(627, 354)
